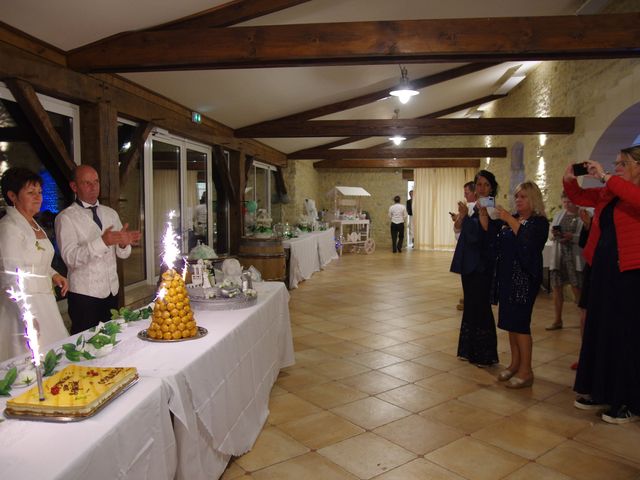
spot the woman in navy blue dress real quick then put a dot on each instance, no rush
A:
(473, 260)
(519, 275)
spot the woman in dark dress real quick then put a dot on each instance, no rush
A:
(608, 376)
(473, 260)
(519, 275)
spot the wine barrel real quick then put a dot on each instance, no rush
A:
(266, 254)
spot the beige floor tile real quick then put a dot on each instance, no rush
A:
(299, 331)
(335, 369)
(308, 467)
(323, 326)
(320, 429)
(419, 469)
(284, 408)
(409, 371)
(317, 339)
(418, 434)
(377, 341)
(573, 461)
(350, 333)
(406, 351)
(276, 390)
(619, 440)
(448, 384)
(300, 378)
(476, 460)
(533, 471)
(498, 399)
(366, 455)
(312, 355)
(462, 416)
(404, 334)
(519, 437)
(343, 349)
(439, 360)
(413, 398)
(375, 360)
(373, 382)
(329, 395)
(272, 446)
(566, 422)
(370, 413)
(232, 472)
(484, 376)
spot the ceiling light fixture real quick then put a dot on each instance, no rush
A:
(404, 91)
(397, 139)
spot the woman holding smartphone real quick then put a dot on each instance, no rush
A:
(473, 260)
(518, 278)
(608, 376)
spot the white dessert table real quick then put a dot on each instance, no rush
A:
(309, 253)
(131, 437)
(216, 387)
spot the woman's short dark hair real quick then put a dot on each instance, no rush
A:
(15, 179)
(396, 199)
(471, 186)
(489, 177)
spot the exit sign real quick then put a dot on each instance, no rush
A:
(196, 117)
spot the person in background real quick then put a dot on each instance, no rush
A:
(24, 244)
(566, 261)
(469, 190)
(90, 237)
(608, 375)
(585, 216)
(398, 215)
(473, 260)
(410, 219)
(518, 278)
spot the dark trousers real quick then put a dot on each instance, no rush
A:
(85, 311)
(397, 236)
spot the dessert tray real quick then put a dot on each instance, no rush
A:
(67, 418)
(142, 335)
(216, 298)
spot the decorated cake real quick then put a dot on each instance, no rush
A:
(172, 316)
(76, 391)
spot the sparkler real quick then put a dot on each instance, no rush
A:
(31, 334)
(170, 243)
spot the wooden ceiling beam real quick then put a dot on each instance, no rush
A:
(413, 126)
(366, 43)
(423, 82)
(390, 163)
(439, 113)
(230, 13)
(399, 152)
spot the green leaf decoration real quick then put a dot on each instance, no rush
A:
(114, 313)
(51, 360)
(88, 356)
(7, 381)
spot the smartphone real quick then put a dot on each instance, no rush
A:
(580, 169)
(487, 202)
(452, 214)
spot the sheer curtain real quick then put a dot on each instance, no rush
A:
(436, 192)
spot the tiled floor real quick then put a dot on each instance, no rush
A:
(377, 390)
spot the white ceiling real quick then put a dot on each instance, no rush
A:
(242, 97)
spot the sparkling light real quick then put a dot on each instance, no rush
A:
(543, 139)
(21, 297)
(170, 243)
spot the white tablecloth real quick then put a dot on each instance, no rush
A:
(309, 253)
(131, 437)
(216, 386)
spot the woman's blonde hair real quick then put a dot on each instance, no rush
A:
(535, 197)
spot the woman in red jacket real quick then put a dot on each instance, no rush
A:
(608, 375)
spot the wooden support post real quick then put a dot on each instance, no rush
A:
(129, 160)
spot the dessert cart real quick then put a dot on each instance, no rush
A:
(351, 225)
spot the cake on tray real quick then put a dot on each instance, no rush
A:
(172, 315)
(75, 391)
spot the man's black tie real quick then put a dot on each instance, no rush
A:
(96, 218)
(94, 213)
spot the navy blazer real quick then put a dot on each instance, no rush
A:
(475, 250)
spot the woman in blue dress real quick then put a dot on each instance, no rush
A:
(519, 275)
(473, 260)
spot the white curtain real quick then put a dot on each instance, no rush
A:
(436, 192)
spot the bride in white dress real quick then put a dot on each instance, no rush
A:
(24, 245)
